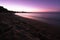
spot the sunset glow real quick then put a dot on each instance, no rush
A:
(22, 8)
(32, 5)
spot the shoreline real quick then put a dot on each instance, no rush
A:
(26, 29)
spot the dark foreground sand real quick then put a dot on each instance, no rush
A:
(13, 27)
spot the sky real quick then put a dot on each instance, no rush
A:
(32, 5)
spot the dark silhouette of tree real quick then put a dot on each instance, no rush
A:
(2, 9)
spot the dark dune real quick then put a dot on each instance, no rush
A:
(13, 27)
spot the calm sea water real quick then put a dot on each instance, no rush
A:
(48, 17)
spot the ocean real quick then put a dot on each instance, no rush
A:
(47, 17)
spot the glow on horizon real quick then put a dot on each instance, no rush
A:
(32, 5)
(21, 8)
(26, 9)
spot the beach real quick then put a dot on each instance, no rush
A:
(13, 27)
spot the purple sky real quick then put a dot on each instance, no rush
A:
(31, 5)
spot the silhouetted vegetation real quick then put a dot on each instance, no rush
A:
(2, 9)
